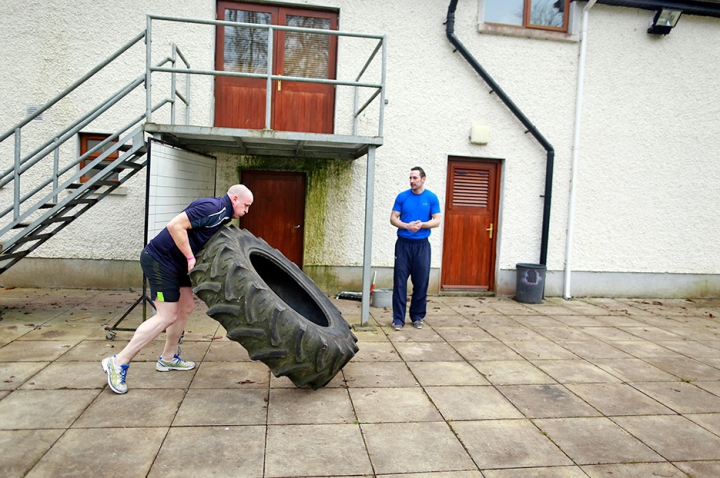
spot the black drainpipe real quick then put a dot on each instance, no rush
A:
(494, 87)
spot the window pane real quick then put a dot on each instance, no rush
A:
(508, 12)
(550, 13)
(246, 48)
(306, 54)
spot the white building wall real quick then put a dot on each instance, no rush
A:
(648, 169)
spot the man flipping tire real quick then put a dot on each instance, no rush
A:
(165, 261)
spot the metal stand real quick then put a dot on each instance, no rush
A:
(110, 331)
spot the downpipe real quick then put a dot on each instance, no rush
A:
(495, 88)
(575, 152)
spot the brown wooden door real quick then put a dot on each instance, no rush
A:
(278, 212)
(240, 102)
(470, 229)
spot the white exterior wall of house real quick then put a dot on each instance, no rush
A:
(645, 212)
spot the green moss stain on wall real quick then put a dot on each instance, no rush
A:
(328, 186)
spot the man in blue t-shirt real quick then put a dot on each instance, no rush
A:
(414, 213)
(166, 261)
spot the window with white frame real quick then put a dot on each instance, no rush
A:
(550, 15)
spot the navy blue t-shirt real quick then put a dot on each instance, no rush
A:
(413, 207)
(206, 217)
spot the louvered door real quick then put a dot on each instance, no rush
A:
(470, 228)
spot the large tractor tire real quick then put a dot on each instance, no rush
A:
(268, 305)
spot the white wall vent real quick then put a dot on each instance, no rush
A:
(32, 109)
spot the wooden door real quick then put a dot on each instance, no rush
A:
(304, 107)
(470, 229)
(278, 212)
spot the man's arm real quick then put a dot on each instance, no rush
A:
(433, 222)
(178, 228)
(412, 226)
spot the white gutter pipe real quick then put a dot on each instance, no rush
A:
(576, 149)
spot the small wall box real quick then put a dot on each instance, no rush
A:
(479, 134)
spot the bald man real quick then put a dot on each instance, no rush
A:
(165, 261)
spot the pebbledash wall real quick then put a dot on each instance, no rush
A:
(646, 215)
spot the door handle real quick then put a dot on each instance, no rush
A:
(490, 230)
(297, 227)
(279, 85)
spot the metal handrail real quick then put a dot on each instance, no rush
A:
(380, 87)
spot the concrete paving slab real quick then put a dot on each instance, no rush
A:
(674, 437)
(378, 374)
(634, 470)
(71, 375)
(141, 408)
(14, 374)
(487, 320)
(143, 375)
(546, 472)
(293, 406)
(71, 334)
(472, 403)
(441, 474)
(410, 334)
(226, 351)
(622, 321)
(591, 441)
(211, 451)
(633, 370)
(497, 444)
(649, 332)
(507, 334)
(35, 351)
(712, 387)
(709, 421)
(618, 399)
(456, 320)
(685, 368)
(574, 371)
(377, 352)
(512, 372)
(389, 405)
(485, 350)
(577, 321)
(463, 334)
(681, 397)
(533, 321)
(230, 375)
(283, 382)
(79, 453)
(700, 469)
(92, 351)
(426, 352)
(564, 334)
(405, 448)
(228, 407)
(608, 334)
(690, 348)
(29, 409)
(540, 349)
(315, 450)
(23, 448)
(644, 349)
(446, 373)
(593, 349)
(547, 401)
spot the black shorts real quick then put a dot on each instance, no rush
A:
(164, 282)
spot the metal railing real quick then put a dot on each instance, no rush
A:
(379, 88)
(23, 163)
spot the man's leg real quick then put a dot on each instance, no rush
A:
(167, 315)
(186, 305)
(401, 272)
(420, 277)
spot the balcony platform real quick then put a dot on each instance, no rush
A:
(205, 139)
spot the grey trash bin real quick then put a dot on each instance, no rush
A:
(530, 286)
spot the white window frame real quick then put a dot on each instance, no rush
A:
(572, 34)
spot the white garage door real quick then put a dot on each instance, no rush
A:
(177, 178)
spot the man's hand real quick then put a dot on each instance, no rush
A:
(191, 263)
(414, 226)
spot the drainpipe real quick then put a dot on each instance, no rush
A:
(495, 88)
(576, 149)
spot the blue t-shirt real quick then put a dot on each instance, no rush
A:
(413, 207)
(206, 217)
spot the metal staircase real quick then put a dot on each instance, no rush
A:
(47, 203)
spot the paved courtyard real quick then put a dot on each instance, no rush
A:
(488, 388)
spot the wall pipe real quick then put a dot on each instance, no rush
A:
(495, 88)
(575, 151)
